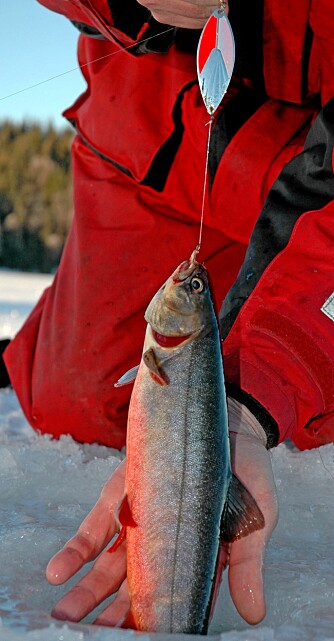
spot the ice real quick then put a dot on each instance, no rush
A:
(18, 292)
(47, 487)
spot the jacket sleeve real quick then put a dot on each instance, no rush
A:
(125, 17)
(125, 21)
(278, 317)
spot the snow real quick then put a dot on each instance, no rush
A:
(18, 293)
(47, 487)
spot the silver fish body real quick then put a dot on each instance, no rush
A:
(178, 459)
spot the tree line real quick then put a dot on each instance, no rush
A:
(35, 195)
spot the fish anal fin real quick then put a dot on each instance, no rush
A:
(128, 377)
(152, 364)
(129, 622)
(241, 514)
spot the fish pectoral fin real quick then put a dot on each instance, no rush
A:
(241, 514)
(124, 517)
(128, 377)
(156, 373)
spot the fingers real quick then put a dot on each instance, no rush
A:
(69, 560)
(115, 614)
(106, 576)
(93, 535)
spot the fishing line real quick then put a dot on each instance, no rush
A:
(213, 77)
(91, 62)
(198, 246)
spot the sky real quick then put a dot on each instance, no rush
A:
(35, 45)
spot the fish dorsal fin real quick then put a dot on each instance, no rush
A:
(152, 364)
(128, 377)
(241, 514)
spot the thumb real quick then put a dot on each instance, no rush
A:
(247, 554)
(251, 462)
(246, 579)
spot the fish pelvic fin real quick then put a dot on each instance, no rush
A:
(128, 377)
(156, 373)
(124, 516)
(241, 514)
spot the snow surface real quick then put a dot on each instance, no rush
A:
(18, 293)
(47, 487)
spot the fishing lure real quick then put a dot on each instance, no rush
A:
(215, 59)
(215, 62)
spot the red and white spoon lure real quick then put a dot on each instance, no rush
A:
(215, 62)
(215, 59)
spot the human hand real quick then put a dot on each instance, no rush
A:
(250, 462)
(108, 575)
(190, 14)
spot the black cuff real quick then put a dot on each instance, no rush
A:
(128, 16)
(87, 30)
(4, 378)
(267, 422)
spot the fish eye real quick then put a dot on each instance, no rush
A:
(197, 284)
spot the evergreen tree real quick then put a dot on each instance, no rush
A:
(35, 195)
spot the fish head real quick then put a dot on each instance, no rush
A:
(183, 306)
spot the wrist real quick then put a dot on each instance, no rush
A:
(266, 422)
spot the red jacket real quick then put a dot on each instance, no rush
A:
(138, 164)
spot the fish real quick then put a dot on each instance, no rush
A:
(180, 496)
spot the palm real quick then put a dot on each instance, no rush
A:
(250, 462)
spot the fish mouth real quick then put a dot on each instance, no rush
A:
(185, 269)
(169, 341)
